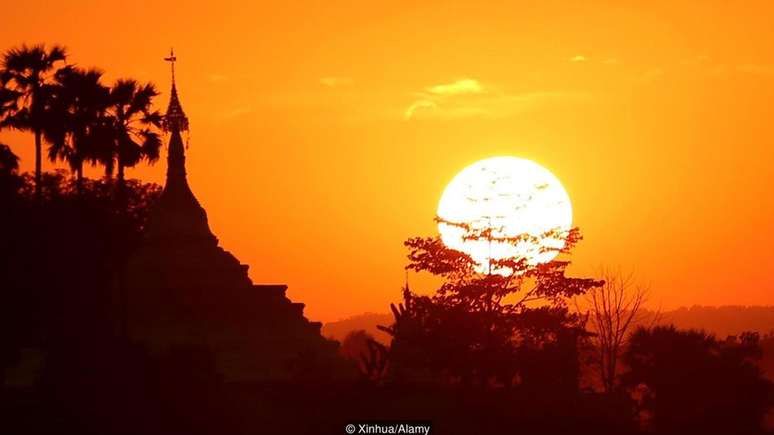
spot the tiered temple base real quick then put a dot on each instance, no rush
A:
(180, 289)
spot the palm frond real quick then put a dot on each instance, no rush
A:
(31, 61)
(57, 53)
(154, 118)
(142, 98)
(9, 162)
(151, 145)
(131, 104)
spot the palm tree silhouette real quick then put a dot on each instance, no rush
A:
(27, 70)
(79, 126)
(8, 161)
(133, 126)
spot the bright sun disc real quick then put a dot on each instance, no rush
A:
(512, 196)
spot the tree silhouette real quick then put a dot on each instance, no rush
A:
(613, 310)
(77, 129)
(370, 356)
(374, 361)
(476, 325)
(355, 343)
(133, 124)
(9, 162)
(27, 71)
(690, 382)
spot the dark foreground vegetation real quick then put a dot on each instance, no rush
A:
(67, 369)
(487, 352)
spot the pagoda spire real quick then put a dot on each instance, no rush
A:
(178, 214)
(175, 122)
(175, 118)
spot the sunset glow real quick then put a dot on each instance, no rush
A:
(336, 126)
(457, 217)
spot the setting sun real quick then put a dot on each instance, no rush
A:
(511, 197)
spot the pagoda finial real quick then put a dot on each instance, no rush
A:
(171, 59)
(175, 119)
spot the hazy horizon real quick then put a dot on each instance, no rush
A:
(329, 121)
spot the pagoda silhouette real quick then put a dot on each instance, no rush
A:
(180, 289)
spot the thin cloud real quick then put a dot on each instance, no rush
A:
(578, 58)
(487, 105)
(468, 98)
(446, 95)
(460, 87)
(418, 105)
(332, 81)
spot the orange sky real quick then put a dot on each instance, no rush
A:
(313, 169)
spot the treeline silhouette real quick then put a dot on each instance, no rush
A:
(83, 120)
(721, 320)
(474, 334)
(487, 352)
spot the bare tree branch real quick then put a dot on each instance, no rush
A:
(613, 309)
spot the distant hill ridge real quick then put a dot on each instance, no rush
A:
(366, 321)
(722, 321)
